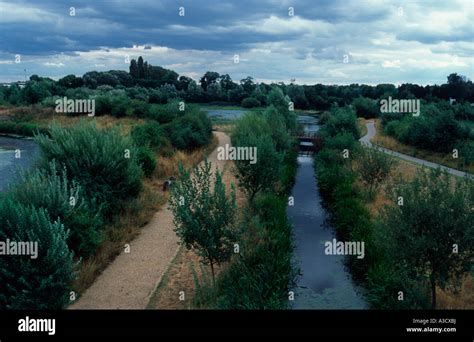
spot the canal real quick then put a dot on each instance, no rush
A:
(324, 281)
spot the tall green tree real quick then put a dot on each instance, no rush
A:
(133, 68)
(209, 78)
(141, 67)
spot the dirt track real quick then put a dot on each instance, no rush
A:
(130, 280)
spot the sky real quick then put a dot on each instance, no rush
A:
(306, 42)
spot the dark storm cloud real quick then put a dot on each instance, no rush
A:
(384, 38)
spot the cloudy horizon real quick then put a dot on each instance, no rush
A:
(329, 42)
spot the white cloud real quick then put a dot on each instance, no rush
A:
(391, 64)
(55, 65)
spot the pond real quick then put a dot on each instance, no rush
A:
(10, 165)
(228, 114)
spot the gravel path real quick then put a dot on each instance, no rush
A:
(366, 140)
(130, 280)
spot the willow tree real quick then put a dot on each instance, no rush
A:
(204, 214)
(431, 228)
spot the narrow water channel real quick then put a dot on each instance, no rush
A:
(324, 281)
(10, 165)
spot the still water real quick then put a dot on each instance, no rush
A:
(325, 282)
(9, 165)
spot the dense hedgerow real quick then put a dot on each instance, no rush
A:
(41, 283)
(103, 162)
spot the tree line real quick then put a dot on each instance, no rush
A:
(162, 85)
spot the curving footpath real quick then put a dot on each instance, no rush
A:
(366, 140)
(130, 280)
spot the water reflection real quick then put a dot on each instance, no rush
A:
(325, 283)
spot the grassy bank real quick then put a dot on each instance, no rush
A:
(445, 159)
(390, 281)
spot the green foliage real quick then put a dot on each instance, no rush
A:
(190, 131)
(103, 105)
(260, 277)
(424, 234)
(436, 129)
(279, 132)
(21, 128)
(147, 134)
(146, 160)
(253, 131)
(250, 102)
(34, 284)
(366, 108)
(204, 215)
(64, 201)
(374, 167)
(384, 283)
(465, 152)
(341, 142)
(341, 120)
(103, 162)
(34, 92)
(281, 102)
(120, 106)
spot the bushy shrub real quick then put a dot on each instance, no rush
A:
(191, 131)
(120, 105)
(252, 131)
(250, 102)
(102, 161)
(64, 200)
(40, 283)
(148, 134)
(342, 141)
(465, 151)
(277, 124)
(383, 284)
(260, 277)
(138, 108)
(146, 160)
(103, 105)
(366, 108)
(436, 129)
(341, 120)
